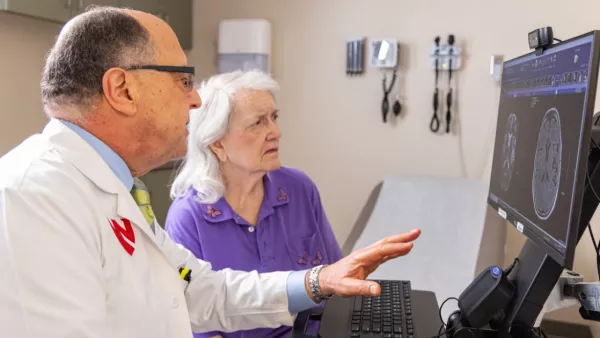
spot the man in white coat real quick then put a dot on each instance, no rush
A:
(81, 254)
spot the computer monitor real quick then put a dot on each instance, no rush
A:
(542, 143)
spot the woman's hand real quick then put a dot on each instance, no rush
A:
(347, 276)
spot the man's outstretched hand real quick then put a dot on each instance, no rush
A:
(347, 276)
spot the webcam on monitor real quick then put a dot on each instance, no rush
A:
(540, 38)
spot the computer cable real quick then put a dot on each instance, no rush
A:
(589, 226)
(512, 266)
(434, 125)
(385, 104)
(444, 324)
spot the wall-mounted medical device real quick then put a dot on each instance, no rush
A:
(383, 53)
(244, 44)
(446, 56)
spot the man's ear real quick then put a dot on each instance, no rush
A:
(219, 151)
(120, 91)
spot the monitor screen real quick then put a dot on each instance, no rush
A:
(539, 147)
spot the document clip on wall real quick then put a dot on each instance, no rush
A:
(384, 53)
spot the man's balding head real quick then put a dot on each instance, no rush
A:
(122, 75)
(89, 45)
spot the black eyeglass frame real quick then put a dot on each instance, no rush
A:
(169, 69)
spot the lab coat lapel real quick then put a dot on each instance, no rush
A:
(79, 153)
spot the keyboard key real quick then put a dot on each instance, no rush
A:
(397, 336)
(355, 327)
(387, 329)
(358, 303)
(397, 328)
(366, 326)
(355, 334)
(387, 335)
(376, 327)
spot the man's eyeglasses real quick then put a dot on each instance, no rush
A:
(189, 71)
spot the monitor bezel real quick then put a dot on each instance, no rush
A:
(532, 231)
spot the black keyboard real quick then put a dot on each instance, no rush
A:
(387, 315)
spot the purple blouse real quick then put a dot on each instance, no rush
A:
(292, 233)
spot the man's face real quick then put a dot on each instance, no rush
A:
(165, 99)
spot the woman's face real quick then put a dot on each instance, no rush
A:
(252, 142)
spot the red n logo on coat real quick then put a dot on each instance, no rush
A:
(125, 234)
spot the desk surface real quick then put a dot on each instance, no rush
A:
(336, 316)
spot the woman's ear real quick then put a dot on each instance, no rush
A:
(219, 151)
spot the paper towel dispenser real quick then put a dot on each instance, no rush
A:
(244, 44)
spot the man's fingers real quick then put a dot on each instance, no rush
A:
(378, 253)
(400, 238)
(353, 287)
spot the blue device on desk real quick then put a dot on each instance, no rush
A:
(542, 168)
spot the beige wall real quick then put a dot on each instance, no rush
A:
(23, 45)
(328, 119)
(332, 121)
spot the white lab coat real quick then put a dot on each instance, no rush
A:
(64, 273)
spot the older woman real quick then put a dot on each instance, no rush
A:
(234, 205)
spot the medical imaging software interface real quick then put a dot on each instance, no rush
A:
(541, 114)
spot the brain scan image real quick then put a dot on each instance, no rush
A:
(547, 165)
(508, 150)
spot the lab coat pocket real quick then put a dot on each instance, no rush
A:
(306, 252)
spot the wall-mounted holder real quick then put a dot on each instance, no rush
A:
(444, 55)
(355, 51)
(383, 53)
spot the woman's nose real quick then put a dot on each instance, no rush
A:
(275, 131)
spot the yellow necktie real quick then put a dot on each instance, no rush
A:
(142, 198)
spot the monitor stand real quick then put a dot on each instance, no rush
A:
(536, 274)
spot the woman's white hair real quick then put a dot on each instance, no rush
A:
(200, 168)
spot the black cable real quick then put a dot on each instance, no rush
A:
(511, 267)
(557, 40)
(385, 104)
(589, 179)
(444, 324)
(434, 125)
(449, 96)
(596, 244)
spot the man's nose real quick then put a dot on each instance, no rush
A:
(195, 100)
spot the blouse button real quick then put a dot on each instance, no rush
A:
(251, 229)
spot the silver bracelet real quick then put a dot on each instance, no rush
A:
(313, 282)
